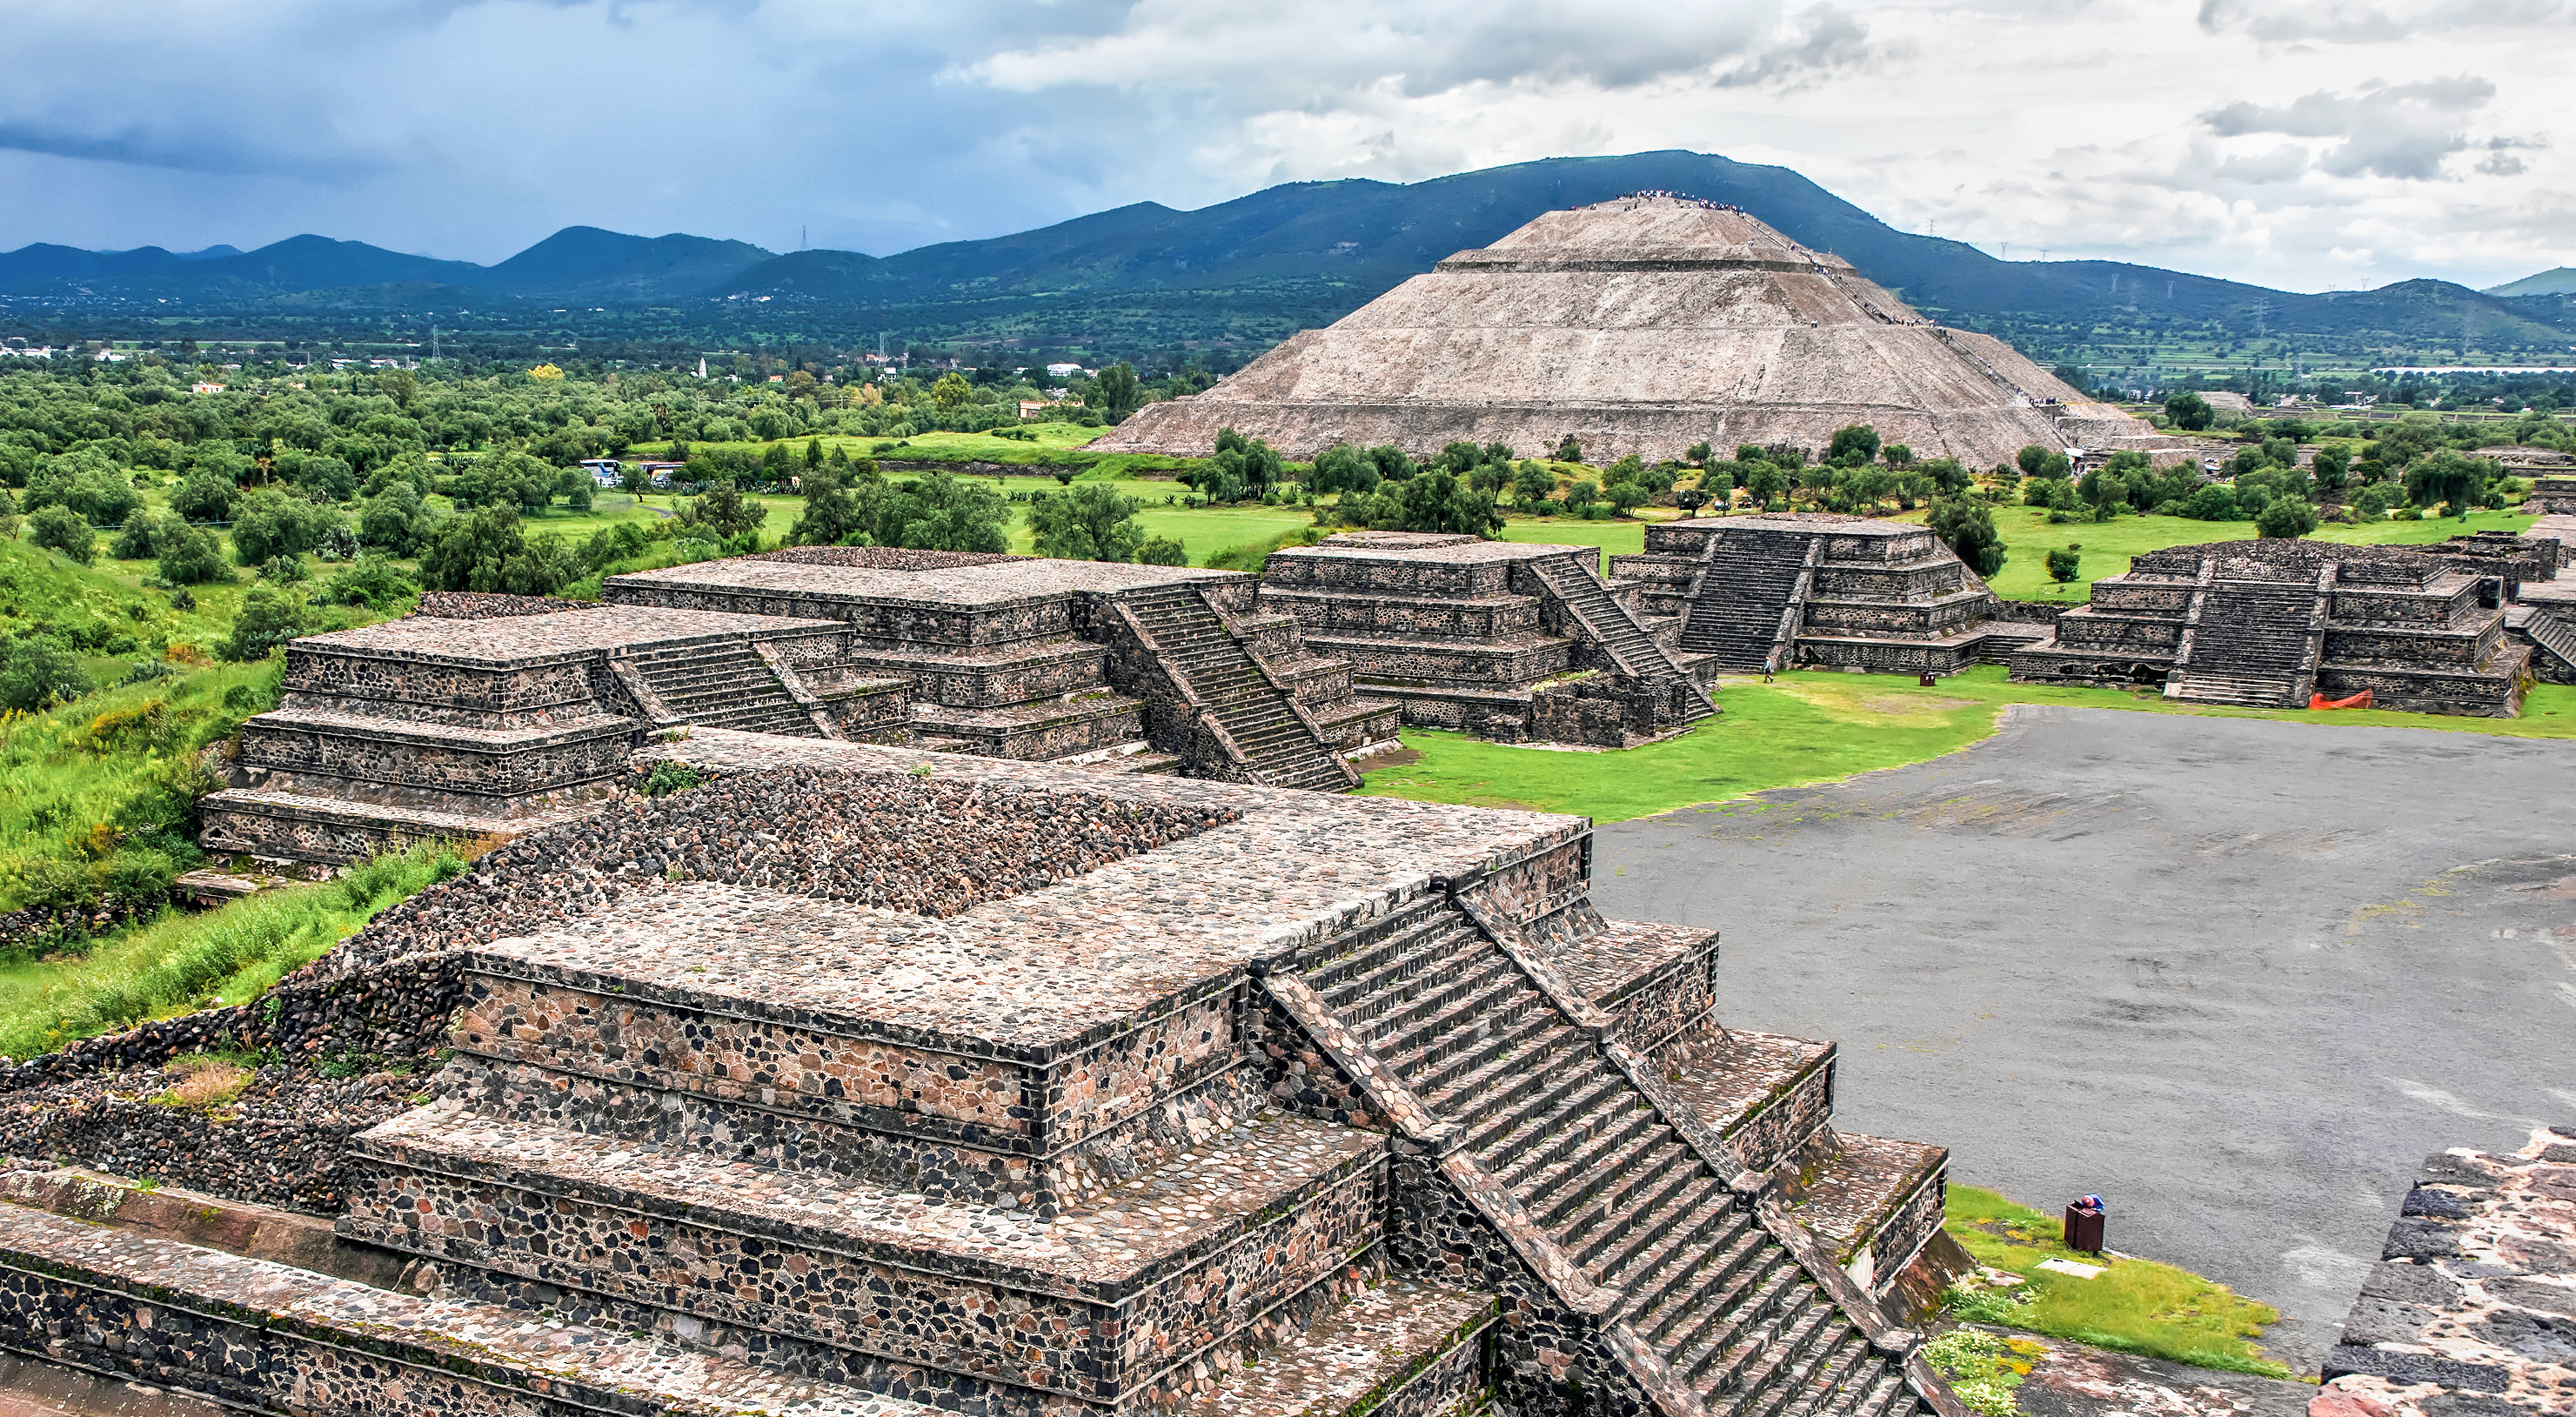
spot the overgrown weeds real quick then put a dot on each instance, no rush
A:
(230, 955)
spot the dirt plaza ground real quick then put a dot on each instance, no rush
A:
(2239, 977)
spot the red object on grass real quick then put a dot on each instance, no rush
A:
(2320, 701)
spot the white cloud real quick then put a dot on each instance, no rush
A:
(2228, 136)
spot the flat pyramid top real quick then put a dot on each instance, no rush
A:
(1649, 226)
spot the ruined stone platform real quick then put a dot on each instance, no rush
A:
(1500, 639)
(1004, 1088)
(2270, 622)
(1820, 591)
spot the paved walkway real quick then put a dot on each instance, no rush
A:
(2240, 977)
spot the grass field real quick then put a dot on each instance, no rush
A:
(1816, 726)
(2137, 1306)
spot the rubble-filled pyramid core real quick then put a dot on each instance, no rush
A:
(1640, 325)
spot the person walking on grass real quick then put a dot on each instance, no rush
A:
(1770, 662)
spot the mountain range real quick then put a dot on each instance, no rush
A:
(1315, 248)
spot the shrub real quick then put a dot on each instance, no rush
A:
(372, 581)
(205, 495)
(190, 555)
(2286, 516)
(2064, 565)
(668, 777)
(269, 618)
(59, 528)
(36, 670)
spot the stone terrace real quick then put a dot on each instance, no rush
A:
(427, 727)
(1148, 668)
(1503, 640)
(1166, 1093)
(1820, 591)
(2272, 621)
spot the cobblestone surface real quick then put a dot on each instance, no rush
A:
(2472, 1306)
(518, 637)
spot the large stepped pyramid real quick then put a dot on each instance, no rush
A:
(875, 1080)
(1637, 326)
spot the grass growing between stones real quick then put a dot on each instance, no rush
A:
(2136, 1306)
(1815, 726)
(180, 962)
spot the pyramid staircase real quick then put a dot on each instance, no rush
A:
(2256, 644)
(2554, 641)
(1744, 616)
(728, 686)
(1630, 645)
(1278, 739)
(1718, 1304)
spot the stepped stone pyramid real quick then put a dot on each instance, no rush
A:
(2270, 622)
(435, 726)
(1640, 325)
(1507, 641)
(1817, 590)
(863, 1079)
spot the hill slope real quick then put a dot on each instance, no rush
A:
(2561, 281)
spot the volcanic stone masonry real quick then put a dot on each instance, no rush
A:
(1119, 1094)
(2471, 1309)
(1816, 590)
(1640, 326)
(1507, 641)
(518, 712)
(2270, 622)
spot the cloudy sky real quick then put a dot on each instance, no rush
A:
(2306, 146)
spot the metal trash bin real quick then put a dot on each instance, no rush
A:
(2084, 1225)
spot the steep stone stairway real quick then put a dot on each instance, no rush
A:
(2249, 645)
(2554, 638)
(1256, 713)
(1747, 586)
(1705, 1286)
(1617, 631)
(724, 685)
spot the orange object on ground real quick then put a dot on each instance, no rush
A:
(2320, 701)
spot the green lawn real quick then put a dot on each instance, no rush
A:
(1816, 726)
(2137, 1306)
(2109, 546)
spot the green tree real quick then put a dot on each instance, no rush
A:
(1898, 455)
(36, 671)
(2286, 516)
(1116, 393)
(1766, 481)
(1968, 528)
(832, 515)
(2064, 565)
(1344, 468)
(59, 528)
(270, 523)
(2105, 491)
(723, 510)
(951, 393)
(2036, 461)
(270, 617)
(204, 496)
(1625, 497)
(1568, 450)
(1162, 551)
(2332, 467)
(2446, 476)
(1437, 501)
(1248, 464)
(1533, 483)
(1853, 443)
(395, 521)
(1580, 495)
(944, 512)
(1092, 522)
(134, 539)
(1699, 454)
(2189, 411)
(190, 555)
(476, 552)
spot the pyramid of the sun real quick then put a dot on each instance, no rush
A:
(1640, 325)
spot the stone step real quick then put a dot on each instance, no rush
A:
(1451, 1075)
(1404, 1008)
(1402, 1336)
(1347, 976)
(181, 1316)
(1668, 1282)
(872, 1270)
(1725, 1302)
